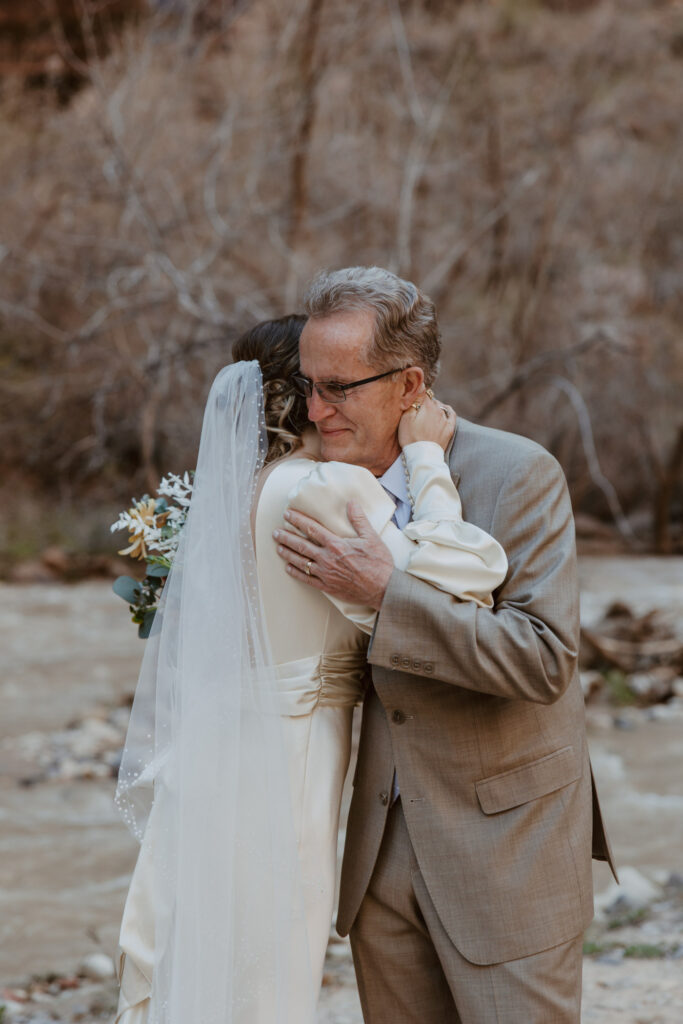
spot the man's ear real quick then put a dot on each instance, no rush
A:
(413, 386)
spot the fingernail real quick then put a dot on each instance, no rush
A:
(288, 515)
(276, 534)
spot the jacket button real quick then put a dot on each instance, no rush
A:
(417, 665)
(398, 717)
(395, 660)
(384, 798)
(405, 662)
(429, 668)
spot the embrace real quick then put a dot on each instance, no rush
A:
(351, 541)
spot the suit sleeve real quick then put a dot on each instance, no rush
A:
(526, 646)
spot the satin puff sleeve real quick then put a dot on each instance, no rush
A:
(450, 553)
(324, 494)
(438, 546)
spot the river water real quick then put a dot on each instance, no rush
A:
(65, 856)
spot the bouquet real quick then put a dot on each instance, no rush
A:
(154, 526)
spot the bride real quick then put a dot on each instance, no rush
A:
(240, 732)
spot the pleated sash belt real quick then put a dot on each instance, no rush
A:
(334, 680)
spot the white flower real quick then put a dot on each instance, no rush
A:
(153, 524)
(176, 487)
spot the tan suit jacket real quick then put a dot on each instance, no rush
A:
(481, 714)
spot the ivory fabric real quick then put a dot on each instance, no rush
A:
(320, 654)
(438, 545)
(480, 712)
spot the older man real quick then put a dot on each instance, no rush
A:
(466, 882)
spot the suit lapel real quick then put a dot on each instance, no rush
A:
(450, 455)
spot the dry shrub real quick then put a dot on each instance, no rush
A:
(524, 165)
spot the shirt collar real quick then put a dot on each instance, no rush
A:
(394, 480)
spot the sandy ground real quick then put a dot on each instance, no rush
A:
(70, 657)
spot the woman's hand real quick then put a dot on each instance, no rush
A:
(433, 421)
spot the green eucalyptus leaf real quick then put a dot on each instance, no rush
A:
(146, 624)
(127, 588)
(156, 571)
(159, 560)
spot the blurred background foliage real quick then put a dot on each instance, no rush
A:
(173, 171)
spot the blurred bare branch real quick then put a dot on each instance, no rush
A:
(588, 441)
(173, 172)
(534, 366)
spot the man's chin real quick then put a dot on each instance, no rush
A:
(338, 447)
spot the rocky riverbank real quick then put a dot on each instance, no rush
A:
(70, 663)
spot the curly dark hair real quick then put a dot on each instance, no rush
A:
(275, 345)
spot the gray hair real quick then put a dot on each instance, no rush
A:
(405, 330)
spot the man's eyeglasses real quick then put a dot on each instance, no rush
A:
(329, 390)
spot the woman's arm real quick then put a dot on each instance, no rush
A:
(438, 546)
(453, 555)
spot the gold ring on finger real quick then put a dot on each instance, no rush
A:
(309, 563)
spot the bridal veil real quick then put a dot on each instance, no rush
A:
(204, 774)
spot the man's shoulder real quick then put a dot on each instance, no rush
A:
(489, 464)
(501, 451)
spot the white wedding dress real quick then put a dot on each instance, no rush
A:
(318, 645)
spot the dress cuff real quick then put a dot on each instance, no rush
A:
(423, 452)
(435, 496)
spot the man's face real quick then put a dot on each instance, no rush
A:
(362, 429)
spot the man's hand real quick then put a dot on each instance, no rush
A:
(354, 569)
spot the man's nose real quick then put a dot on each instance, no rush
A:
(319, 409)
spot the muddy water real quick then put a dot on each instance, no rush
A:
(65, 857)
(638, 768)
(639, 774)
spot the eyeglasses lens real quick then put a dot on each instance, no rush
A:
(331, 393)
